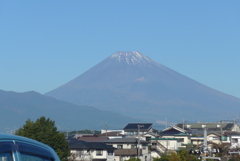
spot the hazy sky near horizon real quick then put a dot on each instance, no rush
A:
(45, 44)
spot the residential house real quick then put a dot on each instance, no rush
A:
(149, 135)
(169, 140)
(91, 151)
(111, 135)
(197, 140)
(170, 131)
(197, 128)
(184, 138)
(214, 138)
(129, 148)
(177, 133)
(132, 129)
(166, 144)
(233, 138)
(117, 131)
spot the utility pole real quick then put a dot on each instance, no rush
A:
(220, 126)
(138, 146)
(166, 123)
(205, 141)
(204, 158)
(183, 124)
(106, 129)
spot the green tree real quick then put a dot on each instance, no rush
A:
(235, 157)
(174, 157)
(185, 156)
(182, 155)
(164, 157)
(45, 131)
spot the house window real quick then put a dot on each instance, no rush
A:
(99, 152)
(148, 138)
(133, 146)
(154, 144)
(119, 146)
(234, 140)
(130, 133)
(110, 152)
(181, 139)
(79, 153)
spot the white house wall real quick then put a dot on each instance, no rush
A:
(235, 141)
(236, 128)
(170, 144)
(89, 155)
(80, 155)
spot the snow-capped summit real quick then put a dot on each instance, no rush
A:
(132, 58)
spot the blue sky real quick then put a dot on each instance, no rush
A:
(44, 44)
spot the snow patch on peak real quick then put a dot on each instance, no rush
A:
(131, 57)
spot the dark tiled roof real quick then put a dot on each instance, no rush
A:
(230, 133)
(71, 138)
(171, 132)
(93, 139)
(111, 134)
(124, 140)
(134, 126)
(89, 145)
(228, 126)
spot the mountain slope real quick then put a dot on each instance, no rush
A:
(16, 108)
(134, 85)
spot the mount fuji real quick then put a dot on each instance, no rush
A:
(134, 85)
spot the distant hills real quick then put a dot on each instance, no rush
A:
(134, 85)
(16, 108)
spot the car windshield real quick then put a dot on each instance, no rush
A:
(33, 153)
(6, 156)
(31, 157)
(6, 151)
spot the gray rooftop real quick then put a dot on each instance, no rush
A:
(124, 140)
